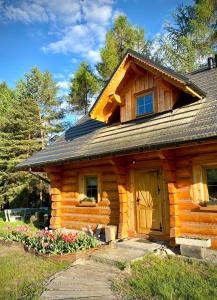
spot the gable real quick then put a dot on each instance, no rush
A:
(136, 75)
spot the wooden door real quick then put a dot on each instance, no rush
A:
(148, 201)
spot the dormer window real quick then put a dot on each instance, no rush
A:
(144, 104)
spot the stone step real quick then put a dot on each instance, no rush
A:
(118, 257)
(139, 244)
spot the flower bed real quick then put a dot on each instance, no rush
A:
(51, 242)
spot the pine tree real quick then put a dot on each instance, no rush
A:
(191, 37)
(121, 37)
(19, 138)
(41, 89)
(84, 85)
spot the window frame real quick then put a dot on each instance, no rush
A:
(82, 185)
(200, 185)
(141, 94)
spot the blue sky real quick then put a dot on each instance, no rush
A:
(56, 35)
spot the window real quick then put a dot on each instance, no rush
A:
(91, 187)
(211, 181)
(144, 104)
(205, 184)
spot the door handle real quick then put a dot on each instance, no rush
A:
(137, 200)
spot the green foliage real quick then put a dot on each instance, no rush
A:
(120, 38)
(51, 242)
(156, 277)
(41, 90)
(29, 115)
(84, 86)
(191, 37)
(19, 138)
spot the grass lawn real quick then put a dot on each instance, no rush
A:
(156, 277)
(4, 225)
(22, 274)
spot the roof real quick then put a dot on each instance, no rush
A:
(177, 77)
(93, 139)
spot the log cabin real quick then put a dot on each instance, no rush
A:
(144, 159)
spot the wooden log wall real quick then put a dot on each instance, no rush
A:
(66, 210)
(194, 220)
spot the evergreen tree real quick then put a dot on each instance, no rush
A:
(84, 85)
(19, 138)
(120, 38)
(191, 37)
(41, 89)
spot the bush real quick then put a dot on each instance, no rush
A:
(52, 242)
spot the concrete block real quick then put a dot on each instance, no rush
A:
(193, 251)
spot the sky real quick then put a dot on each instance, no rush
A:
(56, 35)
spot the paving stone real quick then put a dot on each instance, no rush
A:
(92, 279)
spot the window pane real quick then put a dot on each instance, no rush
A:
(91, 187)
(144, 104)
(212, 185)
(148, 103)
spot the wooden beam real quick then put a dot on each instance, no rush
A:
(192, 92)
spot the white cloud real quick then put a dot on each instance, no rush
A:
(63, 84)
(75, 26)
(96, 13)
(93, 56)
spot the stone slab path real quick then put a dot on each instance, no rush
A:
(91, 279)
(84, 280)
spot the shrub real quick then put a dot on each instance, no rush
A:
(53, 242)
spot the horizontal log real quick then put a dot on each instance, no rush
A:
(70, 187)
(56, 213)
(198, 228)
(69, 180)
(69, 173)
(76, 225)
(198, 149)
(69, 195)
(55, 198)
(204, 217)
(184, 173)
(184, 162)
(86, 210)
(55, 191)
(187, 205)
(69, 201)
(184, 182)
(55, 177)
(56, 205)
(86, 219)
(168, 165)
(184, 195)
(174, 221)
(170, 176)
(104, 202)
(109, 186)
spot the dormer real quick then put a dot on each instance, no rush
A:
(139, 87)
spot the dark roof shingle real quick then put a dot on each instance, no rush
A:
(91, 138)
